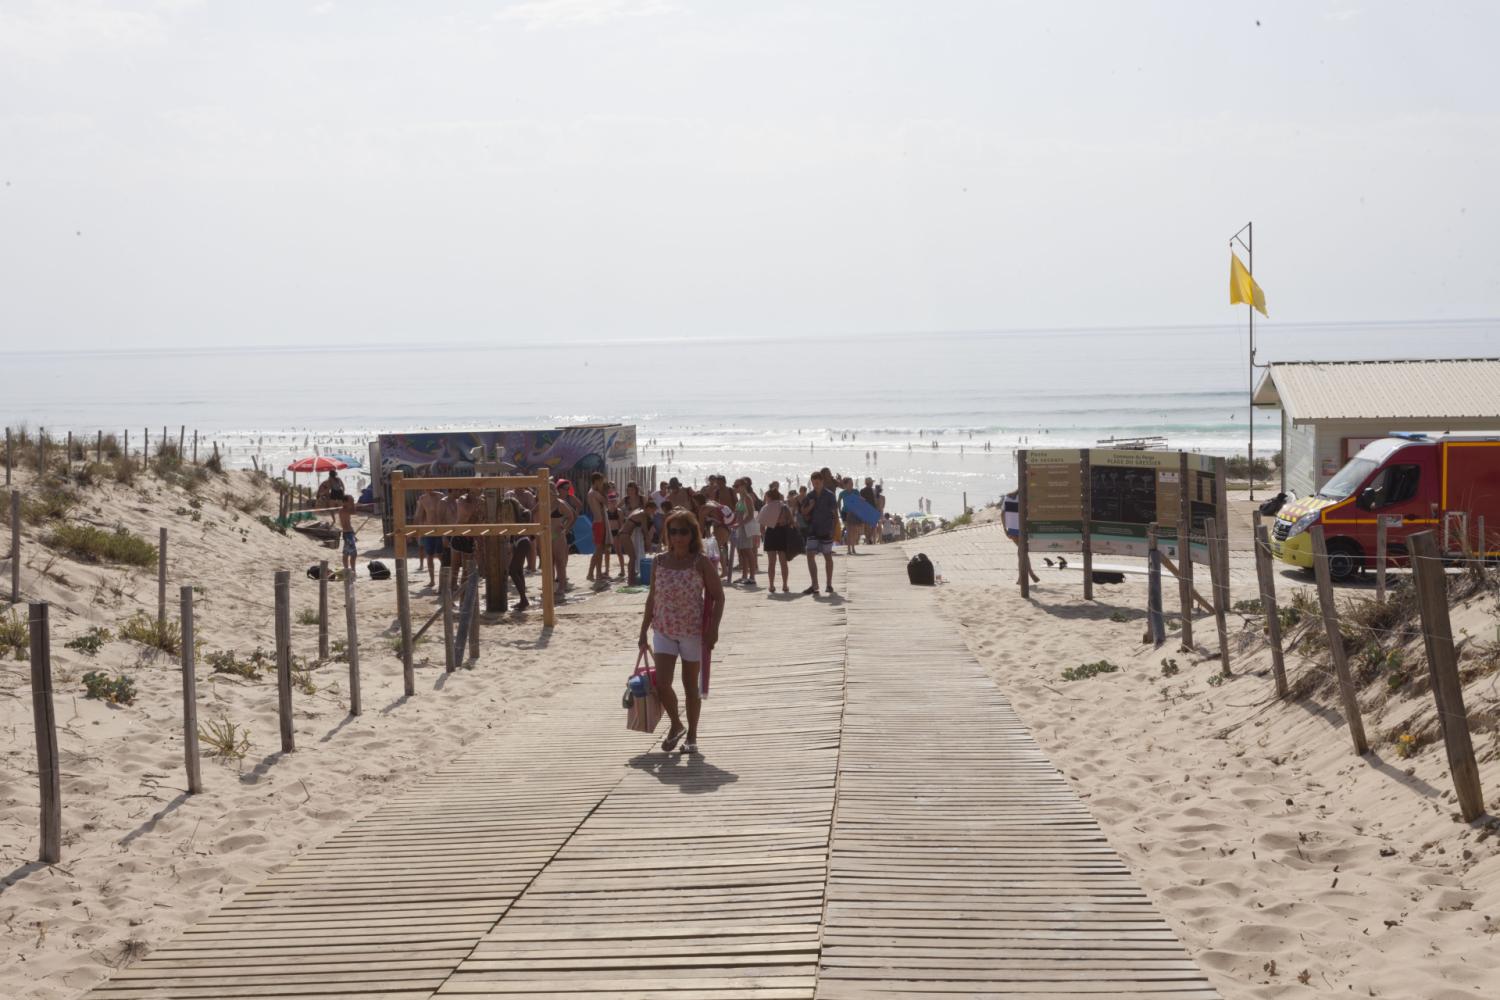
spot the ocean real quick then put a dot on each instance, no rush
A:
(769, 408)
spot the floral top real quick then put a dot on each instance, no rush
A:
(677, 611)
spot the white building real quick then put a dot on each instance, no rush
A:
(1331, 409)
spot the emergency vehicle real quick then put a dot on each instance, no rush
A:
(1415, 482)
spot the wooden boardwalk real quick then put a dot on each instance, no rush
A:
(868, 819)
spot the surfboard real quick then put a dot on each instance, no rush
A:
(583, 535)
(861, 508)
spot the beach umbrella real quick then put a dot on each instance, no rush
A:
(316, 463)
(350, 461)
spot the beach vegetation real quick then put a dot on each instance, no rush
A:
(167, 458)
(226, 661)
(15, 636)
(1252, 606)
(214, 464)
(91, 641)
(302, 678)
(52, 502)
(966, 518)
(250, 502)
(119, 690)
(146, 630)
(395, 644)
(1118, 616)
(1214, 680)
(272, 524)
(339, 651)
(124, 470)
(1169, 667)
(1084, 671)
(1406, 745)
(95, 545)
(308, 616)
(223, 739)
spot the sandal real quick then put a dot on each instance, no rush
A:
(670, 743)
(691, 746)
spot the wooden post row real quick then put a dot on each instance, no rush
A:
(1380, 551)
(284, 658)
(1221, 509)
(1185, 551)
(323, 610)
(1442, 662)
(1220, 594)
(1085, 509)
(351, 623)
(1155, 621)
(48, 768)
(445, 594)
(7, 456)
(1022, 554)
(1347, 693)
(403, 616)
(161, 583)
(1266, 575)
(189, 698)
(15, 547)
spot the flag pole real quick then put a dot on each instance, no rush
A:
(1249, 244)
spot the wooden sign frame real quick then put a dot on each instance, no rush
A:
(541, 530)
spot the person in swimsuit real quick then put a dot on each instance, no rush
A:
(776, 525)
(430, 510)
(681, 581)
(599, 561)
(469, 509)
(563, 517)
(746, 535)
(346, 528)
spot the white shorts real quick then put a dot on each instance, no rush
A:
(689, 648)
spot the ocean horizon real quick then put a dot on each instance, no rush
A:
(770, 407)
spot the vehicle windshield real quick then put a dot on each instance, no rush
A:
(1347, 480)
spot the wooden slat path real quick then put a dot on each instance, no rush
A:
(698, 876)
(963, 864)
(867, 818)
(388, 907)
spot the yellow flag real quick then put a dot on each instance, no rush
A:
(1242, 287)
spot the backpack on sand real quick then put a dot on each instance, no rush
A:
(379, 570)
(919, 571)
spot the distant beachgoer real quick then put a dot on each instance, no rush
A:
(615, 517)
(514, 554)
(682, 580)
(853, 526)
(597, 510)
(820, 508)
(562, 516)
(344, 515)
(430, 510)
(869, 495)
(776, 527)
(630, 540)
(746, 533)
(469, 509)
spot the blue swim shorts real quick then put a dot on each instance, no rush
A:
(349, 547)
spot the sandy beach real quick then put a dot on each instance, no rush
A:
(1287, 866)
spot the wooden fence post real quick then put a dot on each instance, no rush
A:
(352, 643)
(1336, 641)
(1086, 500)
(284, 658)
(189, 697)
(7, 456)
(1185, 552)
(1380, 548)
(182, 442)
(48, 768)
(1154, 618)
(544, 542)
(1265, 573)
(1022, 552)
(474, 614)
(15, 547)
(68, 455)
(41, 451)
(161, 583)
(445, 594)
(403, 617)
(323, 610)
(99, 447)
(195, 446)
(125, 452)
(1221, 508)
(1220, 592)
(1442, 662)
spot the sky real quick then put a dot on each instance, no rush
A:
(179, 173)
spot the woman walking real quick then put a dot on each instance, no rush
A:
(776, 527)
(681, 581)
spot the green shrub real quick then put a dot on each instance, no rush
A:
(50, 503)
(1084, 671)
(308, 616)
(1169, 667)
(1251, 606)
(144, 629)
(91, 641)
(124, 470)
(223, 739)
(15, 636)
(91, 544)
(224, 661)
(115, 690)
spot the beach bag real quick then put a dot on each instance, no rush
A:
(920, 572)
(379, 570)
(312, 572)
(642, 706)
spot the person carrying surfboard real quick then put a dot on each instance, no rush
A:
(684, 584)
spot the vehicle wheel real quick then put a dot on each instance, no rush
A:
(1344, 560)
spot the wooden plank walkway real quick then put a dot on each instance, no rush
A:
(962, 863)
(868, 818)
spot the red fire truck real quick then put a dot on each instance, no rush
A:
(1415, 482)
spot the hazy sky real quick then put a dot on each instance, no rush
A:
(221, 173)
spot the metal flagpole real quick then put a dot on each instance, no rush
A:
(1249, 244)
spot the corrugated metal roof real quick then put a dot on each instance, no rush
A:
(1437, 389)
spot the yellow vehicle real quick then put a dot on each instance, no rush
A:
(1414, 482)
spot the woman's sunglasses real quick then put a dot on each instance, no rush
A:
(679, 531)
